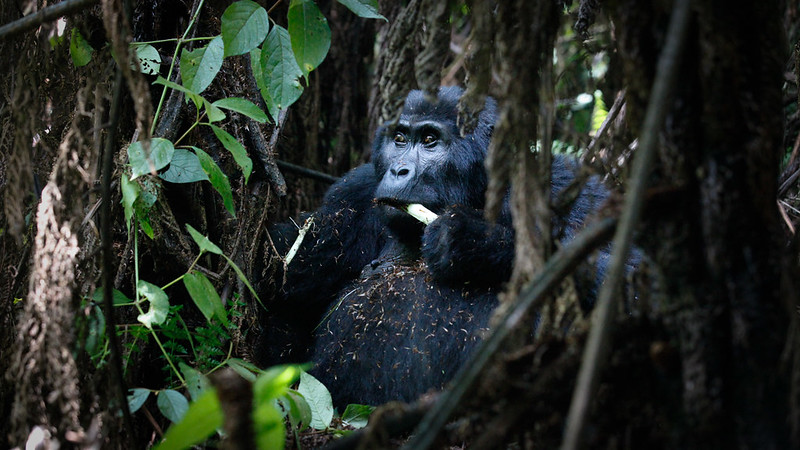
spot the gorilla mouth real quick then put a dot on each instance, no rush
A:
(415, 210)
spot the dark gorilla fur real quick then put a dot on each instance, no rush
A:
(388, 309)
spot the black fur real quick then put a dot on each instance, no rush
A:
(389, 308)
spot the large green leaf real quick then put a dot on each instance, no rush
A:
(280, 71)
(319, 400)
(205, 296)
(244, 25)
(161, 151)
(200, 66)
(203, 242)
(202, 418)
(242, 106)
(79, 49)
(237, 150)
(196, 382)
(184, 168)
(261, 82)
(217, 178)
(311, 35)
(367, 9)
(159, 304)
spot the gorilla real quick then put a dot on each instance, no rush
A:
(386, 307)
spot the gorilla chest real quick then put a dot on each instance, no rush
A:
(397, 334)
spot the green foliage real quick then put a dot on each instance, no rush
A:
(172, 404)
(279, 72)
(136, 398)
(199, 422)
(199, 67)
(184, 167)
(244, 26)
(217, 178)
(310, 34)
(236, 148)
(79, 50)
(357, 416)
(159, 304)
(367, 9)
(319, 400)
(242, 106)
(149, 60)
(205, 296)
(157, 157)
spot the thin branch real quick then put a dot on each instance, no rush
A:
(306, 172)
(531, 296)
(599, 342)
(48, 14)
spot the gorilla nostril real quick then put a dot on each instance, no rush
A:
(402, 172)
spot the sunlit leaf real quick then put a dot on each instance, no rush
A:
(310, 33)
(200, 66)
(244, 25)
(79, 49)
(319, 400)
(159, 304)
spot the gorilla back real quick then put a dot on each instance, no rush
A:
(393, 308)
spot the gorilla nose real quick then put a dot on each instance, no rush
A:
(401, 171)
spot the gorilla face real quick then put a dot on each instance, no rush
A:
(423, 159)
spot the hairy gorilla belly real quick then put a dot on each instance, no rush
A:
(395, 335)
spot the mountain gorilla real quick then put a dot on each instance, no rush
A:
(388, 307)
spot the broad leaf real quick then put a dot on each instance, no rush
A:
(203, 242)
(194, 96)
(244, 25)
(280, 71)
(201, 420)
(196, 382)
(297, 409)
(172, 404)
(261, 82)
(311, 35)
(161, 151)
(136, 398)
(130, 192)
(200, 66)
(242, 106)
(184, 168)
(367, 9)
(79, 49)
(357, 416)
(237, 150)
(213, 113)
(245, 369)
(217, 178)
(159, 304)
(149, 58)
(205, 296)
(319, 400)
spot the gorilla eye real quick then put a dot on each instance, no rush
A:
(399, 138)
(429, 140)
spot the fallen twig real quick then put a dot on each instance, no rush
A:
(48, 14)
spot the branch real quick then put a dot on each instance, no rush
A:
(48, 14)
(316, 175)
(531, 296)
(599, 342)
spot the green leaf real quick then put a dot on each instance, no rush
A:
(136, 398)
(161, 151)
(118, 297)
(367, 9)
(258, 74)
(205, 296)
(319, 400)
(200, 66)
(159, 304)
(274, 382)
(203, 242)
(79, 49)
(237, 150)
(280, 71)
(130, 192)
(311, 36)
(196, 382)
(217, 178)
(297, 408)
(242, 277)
(268, 427)
(201, 420)
(172, 404)
(184, 168)
(245, 369)
(194, 96)
(213, 113)
(148, 56)
(242, 106)
(244, 25)
(357, 416)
